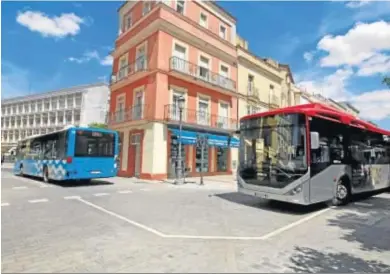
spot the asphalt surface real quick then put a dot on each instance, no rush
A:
(120, 225)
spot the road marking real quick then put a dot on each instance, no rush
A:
(30, 181)
(72, 197)
(144, 189)
(363, 204)
(264, 237)
(43, 186)
(144, 227)
(19, 187)
(38, 201)
(4, 204)
(125, 191)
(100, 194)
(160, 234)
(301, 221)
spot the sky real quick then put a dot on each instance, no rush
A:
(339, 49)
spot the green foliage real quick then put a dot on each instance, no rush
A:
(386, 81)
(97, 125)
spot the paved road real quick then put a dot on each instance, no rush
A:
(122, 226)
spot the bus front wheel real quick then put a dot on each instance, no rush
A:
(343, 193)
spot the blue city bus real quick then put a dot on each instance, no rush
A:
(73, 153)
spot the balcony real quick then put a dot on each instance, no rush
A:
(199, 119)
(252, 91)
(200, 73)
(135, 113)
(139, 65)
(274, 101)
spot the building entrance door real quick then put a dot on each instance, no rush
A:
(134, 159)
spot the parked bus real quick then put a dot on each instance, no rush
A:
(311, 153)
(74, 153)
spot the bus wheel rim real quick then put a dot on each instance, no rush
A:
(341, 192)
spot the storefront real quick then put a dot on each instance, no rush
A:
(216, 157)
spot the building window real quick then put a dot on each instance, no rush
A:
(123, 67)
(147, 7)
(203, 112)
(128, 22)
(140, 57)
(222, 32)
(224, 71)
(204, 67)
(203, 20)
(175, 111)
(223, 119)
(138, 105)
(198, 160)
(180, 6)
(120, 109)
(179, 60)
(174, 152)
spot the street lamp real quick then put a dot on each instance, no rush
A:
(179, 171)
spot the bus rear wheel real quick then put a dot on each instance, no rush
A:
(343, 193)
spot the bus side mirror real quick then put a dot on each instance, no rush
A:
(315, 140)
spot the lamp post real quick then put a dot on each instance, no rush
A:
(179, 170)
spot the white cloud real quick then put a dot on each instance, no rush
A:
(107, 61)
(308, 56)
(67, 24)
(92, 55)
(357, 4)
(379, 63)
(333, 86)
(373, 105)
(360, 43)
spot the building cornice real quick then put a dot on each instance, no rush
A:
(36, 96)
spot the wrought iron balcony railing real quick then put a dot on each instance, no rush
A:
(201, 73)
(134, 113)
(141, 64)
(198, 117)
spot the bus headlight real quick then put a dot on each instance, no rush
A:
(296, 190)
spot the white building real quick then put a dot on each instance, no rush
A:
(41, 113)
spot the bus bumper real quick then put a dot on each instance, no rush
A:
(294, 199)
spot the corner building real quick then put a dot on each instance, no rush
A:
(168, 50)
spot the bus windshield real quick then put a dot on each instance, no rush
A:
(94, 144)
(273, 150)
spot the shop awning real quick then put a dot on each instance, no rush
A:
(189, 138)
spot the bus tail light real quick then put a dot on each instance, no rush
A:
(69, 160)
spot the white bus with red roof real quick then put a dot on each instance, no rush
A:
(311, 153)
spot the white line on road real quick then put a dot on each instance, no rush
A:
(100, 194)
(363, 204)
(249, 238)
(294, 224)
(19, 187)
(125, 191)
(44, 186)
(4, 204)
(144, 227)
(30, 181)
(144, 189)
(72, 197)
(38, 201)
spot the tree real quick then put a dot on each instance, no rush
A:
(386, 81)
(97, 125)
